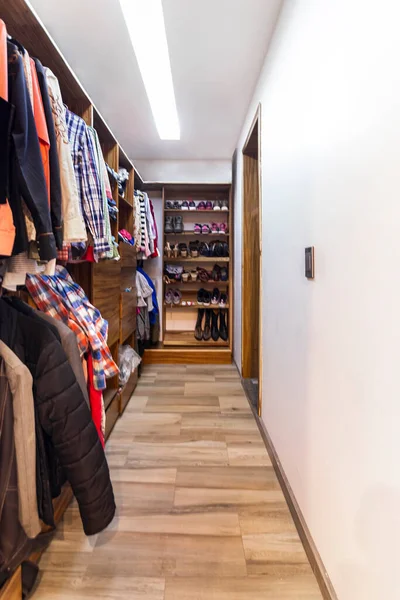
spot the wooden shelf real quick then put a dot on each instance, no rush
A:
(196, 212)
(214, 259)
(123, 202)
(192, 233)
(196, 306)
(186, 338)
(108, 397)
(198, 283)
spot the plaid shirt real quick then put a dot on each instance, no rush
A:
(88, 181)
(99, 164)
(60, 297)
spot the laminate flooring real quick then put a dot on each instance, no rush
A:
(200, 516)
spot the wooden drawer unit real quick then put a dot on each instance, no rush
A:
(112, 414)
(129, 389)
(128, 255)
(128, 314)
(106, 294)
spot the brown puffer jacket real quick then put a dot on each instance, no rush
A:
(63, 414)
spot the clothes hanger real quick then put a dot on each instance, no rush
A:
(16, 43)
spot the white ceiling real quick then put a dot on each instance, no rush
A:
(217, 48)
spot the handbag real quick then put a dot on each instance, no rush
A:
(173, 272)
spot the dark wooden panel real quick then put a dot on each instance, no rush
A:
(108, 397)
(250, 269)
(128, 314)
(189, 356)
(128, 390)
(112, 414)
(128, 255)
(24, 26)
(106, 294)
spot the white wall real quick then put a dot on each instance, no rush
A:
(185, 171)
(330, 95)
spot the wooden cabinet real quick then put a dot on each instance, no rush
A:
(106, 295)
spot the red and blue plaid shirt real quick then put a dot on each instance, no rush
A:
(60, 297)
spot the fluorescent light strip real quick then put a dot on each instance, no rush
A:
(145, 22)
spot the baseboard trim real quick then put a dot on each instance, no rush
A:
(310, 548)
(189, 356)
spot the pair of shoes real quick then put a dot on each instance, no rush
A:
(169, 205)
(203, 297)
(183, 250)
(218, 298)
(220, 249)
(199, 228)
(173, 224)
(204, 206)
(189, 276)
(219, 330)
(217, 274)
(188, 205)
(194, 249)
(212, 329)
(203, 333)
(171, 250)
(221, 205)
(172, 296)
(219, 228)
(213, 228)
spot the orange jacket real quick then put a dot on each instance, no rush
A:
(7, 229)
(41, 126)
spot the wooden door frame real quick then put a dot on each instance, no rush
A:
(256, 122)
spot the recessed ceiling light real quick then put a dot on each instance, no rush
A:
(145, 22)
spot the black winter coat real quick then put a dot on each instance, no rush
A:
(63, 415)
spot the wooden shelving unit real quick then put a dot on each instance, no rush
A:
(199, 235)
(200, 259)
(196, 212)
(178, 322)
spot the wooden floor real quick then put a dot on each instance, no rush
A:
(201, 515)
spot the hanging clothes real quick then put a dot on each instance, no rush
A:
(101, 169)
(41, 127)
(15, 546)
(27, 180)
(20, 382)
(54, 165)
(145, 229)
(7, 229)
(66, 336)
(63, 415)
(63, 299)
(88, 182)
(73, 224)
(154, 314)
(156, 252)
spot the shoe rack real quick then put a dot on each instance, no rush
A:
(179, 320)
